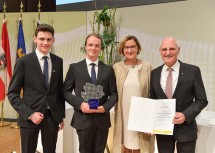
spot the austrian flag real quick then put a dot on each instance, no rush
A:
(5, 62)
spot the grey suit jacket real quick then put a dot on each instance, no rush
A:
(190, 98)
(28, 76)
(77, 77)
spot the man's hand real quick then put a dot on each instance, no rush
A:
(99, 110)
(37, 117)
(149, 133)
(61, 126)
(85, 108)
(179, 118)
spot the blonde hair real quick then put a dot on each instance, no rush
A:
(122, 44)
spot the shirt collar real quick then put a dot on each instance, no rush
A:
(40, 55)
(175, 67)
(89, 62)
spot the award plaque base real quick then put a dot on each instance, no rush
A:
(93, 103)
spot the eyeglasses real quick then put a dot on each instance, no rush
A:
(131, 47)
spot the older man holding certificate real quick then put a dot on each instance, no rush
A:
(183, 82)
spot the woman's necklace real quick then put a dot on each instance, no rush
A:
(132, 65)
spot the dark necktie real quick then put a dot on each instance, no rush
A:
(46, 70)
(169, 83)
(93, 73)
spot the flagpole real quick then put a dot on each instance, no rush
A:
(37, 23)
(2, 123)
(14, 125)
(39, 10)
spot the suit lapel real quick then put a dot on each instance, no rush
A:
(180, 78)
(53, 71)
(100, 70)
(157, 75)
(84, 70)
(38, 68)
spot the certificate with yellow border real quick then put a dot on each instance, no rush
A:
(152, 116)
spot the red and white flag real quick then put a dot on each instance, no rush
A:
(5, 62)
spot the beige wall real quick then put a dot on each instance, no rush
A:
(187, 20)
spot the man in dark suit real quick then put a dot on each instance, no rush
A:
(188, 89)
(92, 125)
(42, 106)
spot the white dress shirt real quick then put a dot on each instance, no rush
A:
(90, 66)
(175, 74)
(41, 61)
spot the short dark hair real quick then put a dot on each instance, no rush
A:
(44, 28)
(94, 35)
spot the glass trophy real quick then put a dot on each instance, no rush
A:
(92, 94)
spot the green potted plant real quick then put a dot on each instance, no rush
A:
(103, 23)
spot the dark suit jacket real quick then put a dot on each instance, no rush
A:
(28, 76)
(190, 98)
(76, 78)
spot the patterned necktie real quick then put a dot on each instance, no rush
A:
(93, 73)
(46, 70)
(169, 84)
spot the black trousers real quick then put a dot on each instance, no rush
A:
(167, 144)
(92, 139)
(49, 132)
